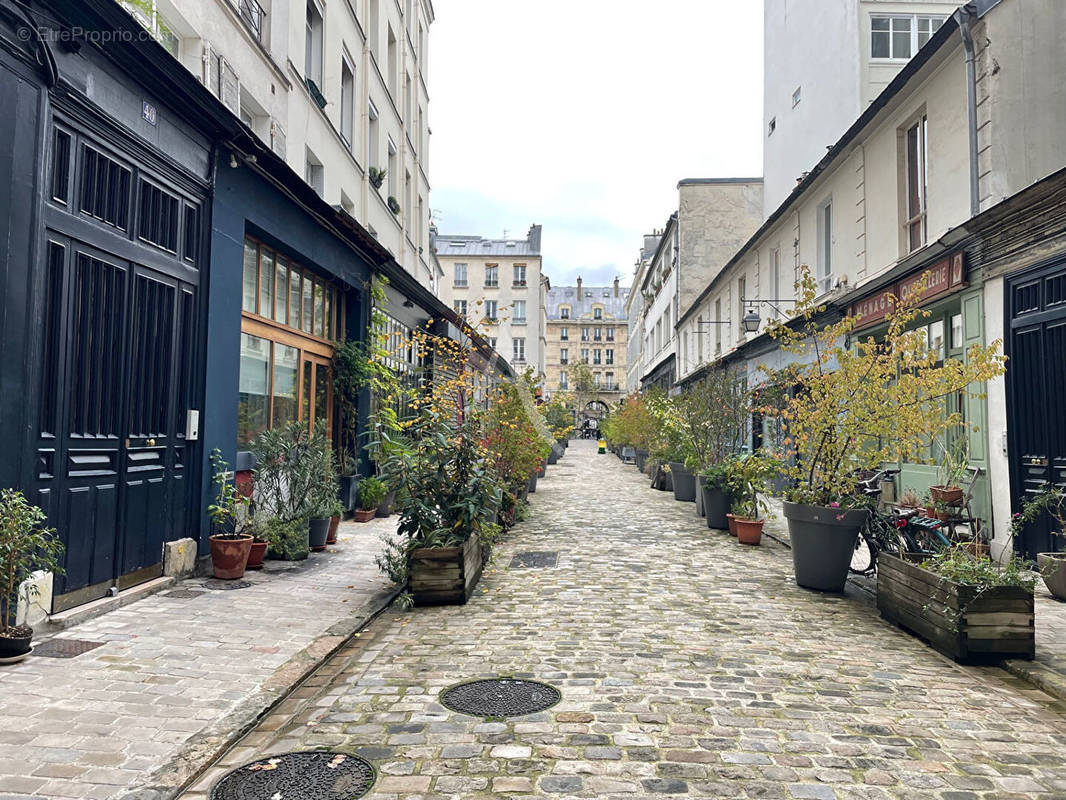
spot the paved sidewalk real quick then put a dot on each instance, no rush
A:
(179, 674)
(689, 665)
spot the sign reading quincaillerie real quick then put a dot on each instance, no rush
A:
(945, 276)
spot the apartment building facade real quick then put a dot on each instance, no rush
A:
(634, 311)
(942, 176)
(499, 287)
(823, 68)
(336, 89)
(587, 325)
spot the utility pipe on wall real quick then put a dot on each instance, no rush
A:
(964, 15)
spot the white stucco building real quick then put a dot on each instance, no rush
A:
(824, 63)
(336, 89)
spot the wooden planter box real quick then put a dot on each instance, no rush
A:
(445, 575)
(955, 619)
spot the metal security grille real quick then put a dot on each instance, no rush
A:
(152, 356)
(97, 346)
(298, 776)
(500, 697)
(105, 188)
(158, 218)
(65, 648)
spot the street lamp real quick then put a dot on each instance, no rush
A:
(751, 320)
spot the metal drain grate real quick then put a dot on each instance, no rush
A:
(64, 648)
(500, 697)
(535, 559)
(298, 776)
(184, 594)
(219, 584)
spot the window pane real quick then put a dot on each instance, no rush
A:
(250, 276)
(266, 283)
(294, 299)
(253, 383)
(936, 339)
(308, 305)
(286, 364)
(282, 284)
(956, 331)
(901, 37)
(913, 185)
(322, 394)
(330, 295)
(320, 310)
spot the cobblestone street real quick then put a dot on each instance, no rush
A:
(688, 665)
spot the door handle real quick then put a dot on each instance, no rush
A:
(150, 442)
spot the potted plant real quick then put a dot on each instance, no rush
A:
(260, 542)
(287, 538)
(393, 204)
(717, 500)
(376, 176)
(910, 499)
(951, 472)
(335, 521)
(371, 493)
(25, 547)
(749, 477)
(951, 599)
(857, 403)
(230, 544)
(1052, 565)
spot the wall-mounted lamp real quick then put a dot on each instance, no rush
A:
(751, 320)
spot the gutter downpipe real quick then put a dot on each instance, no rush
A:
(964, 15)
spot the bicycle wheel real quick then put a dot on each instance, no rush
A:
(864, 559)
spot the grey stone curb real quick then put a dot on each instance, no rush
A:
(203, 750)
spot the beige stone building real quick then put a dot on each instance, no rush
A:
(587, 324)
(498, 285)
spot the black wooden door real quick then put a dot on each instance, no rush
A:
(111, 468)
(1036, 374)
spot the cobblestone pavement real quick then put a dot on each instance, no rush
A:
(178, 675)
(689, 665)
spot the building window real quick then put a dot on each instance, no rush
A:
(347, 100)
(584, 334)
(492, 276)
(519, 311)
(597, 356)
(717, 327)
(596, 379)
(564, 333)
(597, 313)
(609, 386)
(775, 279)
(917, 150)
(796, 97)
(460, 276)
(742, 286)
(314, 173)
(519, 274)
(288, 323)
(492, 342)
(491, 310)
(699, 339)
(585, 354)
(900, 37)
(610, 334)
(313, 44)
(771, 126)
(562, 380)
(609, 356)
(460, 307)
(564, 355)
(825, 245)
(564, 312)
(372, 137)
(391, 169)
(519, 349)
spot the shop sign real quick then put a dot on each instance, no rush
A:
(945, 276)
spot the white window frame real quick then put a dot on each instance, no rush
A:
(459, 307)
(913, 41)
(314, 43)
(372, 136)
(491, 310)
(826, 237)
(519, 274)
(775, 279)
(518, 348)
(519, 314)
(459, 270)
(493, 271)
(919, 218)
(347, 127)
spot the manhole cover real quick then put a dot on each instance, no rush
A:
(500, 697)
(298, 776)
(184, 594)
(64, 648)
(534, 559)
(218, 583)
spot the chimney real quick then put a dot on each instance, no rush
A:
(579, 288)
(616, 286)
(533, 237)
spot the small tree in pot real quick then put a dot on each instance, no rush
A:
(371, 493)
(749, 477)
(855, 408)
(230, 543)
(25, 547)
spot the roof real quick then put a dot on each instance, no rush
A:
(923, 57)
(614, 307)
(712, 181)
(476, 246)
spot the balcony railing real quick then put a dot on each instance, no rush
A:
(252, 13)
(564, 361)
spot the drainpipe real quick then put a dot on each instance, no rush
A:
(965, 15)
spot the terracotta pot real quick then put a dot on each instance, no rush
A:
(229, 557)
(952, 495)
(749, 531)
(334, 521)
(732, 524)
(256, 555)
(365, 516)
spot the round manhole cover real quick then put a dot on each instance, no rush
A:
(218, 583)
(500, 697)
(298, 776)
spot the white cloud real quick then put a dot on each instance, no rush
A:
(583, 115)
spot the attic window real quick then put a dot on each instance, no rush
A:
(771, 127)
(510, 244)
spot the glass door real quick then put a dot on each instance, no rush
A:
(316, 391)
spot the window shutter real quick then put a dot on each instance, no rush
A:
(277, 138)
(974, 333)
(229, 86)
(209, 75)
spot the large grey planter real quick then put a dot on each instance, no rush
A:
(533, 483)
(642, 458)
(716, 504)
(700, 483)
(1053, 570)
(684, 482)
(823, 543)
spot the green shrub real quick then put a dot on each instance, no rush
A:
(288, 538)
(371, 492)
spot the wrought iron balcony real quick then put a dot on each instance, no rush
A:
(252, 13)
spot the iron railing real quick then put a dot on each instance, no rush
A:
(252, 13)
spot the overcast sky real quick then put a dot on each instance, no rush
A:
(582, 115)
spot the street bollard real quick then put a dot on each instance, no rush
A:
(603, 446)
